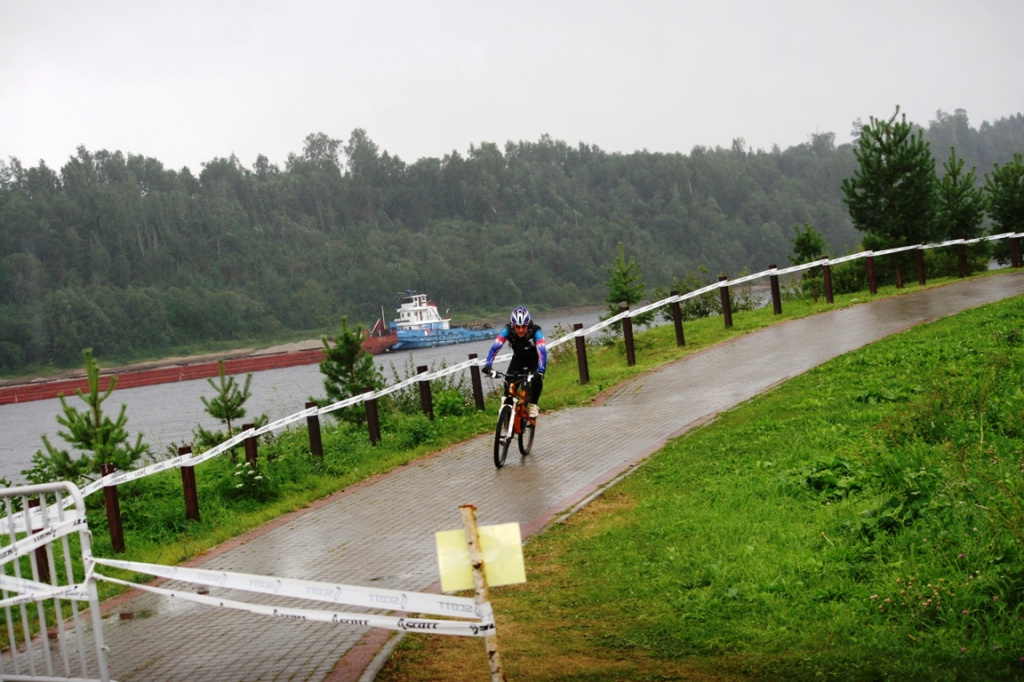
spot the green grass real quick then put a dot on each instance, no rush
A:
(861, 522)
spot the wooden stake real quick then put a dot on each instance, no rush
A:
(476, 557)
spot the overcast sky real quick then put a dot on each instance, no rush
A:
(188, 81)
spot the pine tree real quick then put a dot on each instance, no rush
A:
(891, 197)
(960, 210)
(348, 371)
(1005, 189)
(626, 286)
(809, 246)
(100, 439)
(230, 400)
(227, 406)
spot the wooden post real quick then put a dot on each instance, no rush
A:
(776, 294)
(726, 303)
(188, 486)
(581, 354)
(962, 248)
(826, 270)
(113, 505)
(316, 443)
(476, 558)
(372, 418)
(1014, 252)
(251, 455)
(426, 400)
(474, 378)
(899, 277)
(627, 337)
(920, 265)
(872, 287)
(42, 563)
(677, 320)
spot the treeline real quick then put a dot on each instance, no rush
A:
(117, 253)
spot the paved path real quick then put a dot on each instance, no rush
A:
(382, 533)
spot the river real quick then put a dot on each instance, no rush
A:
(166, 414)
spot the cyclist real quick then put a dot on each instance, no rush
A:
(529, 353)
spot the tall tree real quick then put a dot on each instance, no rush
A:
(1005, 189)
(891, 197)
(960, 210)
(960, 207)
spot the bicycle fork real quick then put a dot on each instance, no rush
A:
(512, 419)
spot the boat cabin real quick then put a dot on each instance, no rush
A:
(416, 312)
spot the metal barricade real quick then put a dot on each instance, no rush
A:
(46, 584)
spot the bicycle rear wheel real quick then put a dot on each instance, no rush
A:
(526, 436)
(501, 437)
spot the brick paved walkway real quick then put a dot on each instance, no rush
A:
(382, 533)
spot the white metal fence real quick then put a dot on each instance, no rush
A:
(46, 584)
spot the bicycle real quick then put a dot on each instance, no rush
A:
(513, 417)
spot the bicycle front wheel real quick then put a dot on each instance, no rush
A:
(526, 436)
(501, 437)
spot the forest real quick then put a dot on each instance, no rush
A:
(117, 253)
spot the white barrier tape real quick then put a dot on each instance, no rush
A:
(439, 627)
(801, 266)
(643, 309)
(162, 465)
(852, 256)
(700, 292)
(748, 278)
(478, 628)
(351, 595)
(558, 342)
(218, 449)
(899, 249)
(205, 456)
(22, 585)
(35, 520)
(31, 542)
(592, 328)
(347, 402)
(284, 421)
(397, 387)
(90, 489)
(77, 592)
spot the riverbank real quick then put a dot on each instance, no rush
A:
(165, 370)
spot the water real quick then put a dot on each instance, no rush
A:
(166, 414)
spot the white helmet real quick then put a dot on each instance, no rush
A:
(520, 317)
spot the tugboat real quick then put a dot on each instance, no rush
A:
(419, 325)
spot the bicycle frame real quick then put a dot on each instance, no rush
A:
(516, 397)
(514, 420)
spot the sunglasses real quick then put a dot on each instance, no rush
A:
(520, 327)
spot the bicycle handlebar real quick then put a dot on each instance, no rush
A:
(512, 377)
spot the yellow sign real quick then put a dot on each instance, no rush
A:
(502, 546)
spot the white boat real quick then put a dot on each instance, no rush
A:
(420, 325)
